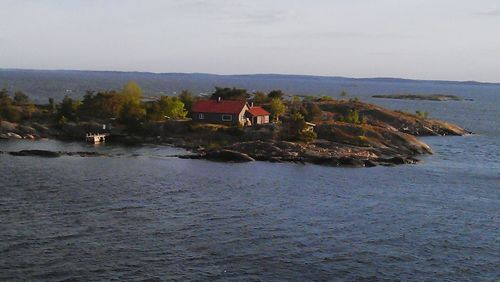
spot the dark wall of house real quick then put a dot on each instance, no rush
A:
(214, 118)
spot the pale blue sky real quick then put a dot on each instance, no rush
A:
(422, 39)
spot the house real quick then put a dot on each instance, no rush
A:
(258, 115)
(228, 112)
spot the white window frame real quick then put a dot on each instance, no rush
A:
(225, 117)
(201, 116)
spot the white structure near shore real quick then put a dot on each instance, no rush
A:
(95, 138)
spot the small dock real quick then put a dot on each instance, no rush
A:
(95, 138)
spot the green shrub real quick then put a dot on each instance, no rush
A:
(421, 114)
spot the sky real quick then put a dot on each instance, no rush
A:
(419, 39)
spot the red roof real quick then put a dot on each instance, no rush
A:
(222, 107)
(258, 111)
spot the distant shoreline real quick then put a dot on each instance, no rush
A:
(432, 97)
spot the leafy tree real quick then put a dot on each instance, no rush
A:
(27, 110)
(277, 108)
(275, 94)
(313, 111)
(167, 107)
(7, 109)
(52, 106)
(132, 92)
(102, 105)
(230, 94)
(21, 99)
(296, 100)
(187, 98)
(297, 128)
(68, 108)
(260, 98)
(132, 114)
(343, 94)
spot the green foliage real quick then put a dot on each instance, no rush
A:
(132, 92)
(355, 99)
(351, 117)
(166, 107)
(325, 99)
(68, 108)
(277, 108)
(308, 136)
(102, 105)
(62, 121)
(275, 94)
(7, 109)
(296, 100)
(187, 98)
(297, 128)
(307, 98)
(260, 98)
(230, 94)
(313, 111)
(343, 94)
(421, 114)
(21, 99)
(132, 113)
(52, 106)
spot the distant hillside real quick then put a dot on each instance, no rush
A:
(42, 84)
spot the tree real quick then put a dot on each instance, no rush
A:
(296, 100)
(230, 94)
(102, 105)
(343, 94)
(260, 98)
(187, 98)
(277, 108)
(52, 106)
(167, 107)
(68, 108)
(7, 109)
(21, 99)
(132, 113)
(313, 111)
(132, 92)
(297, 128)
(275, 94)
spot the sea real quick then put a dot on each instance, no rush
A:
(143, 215)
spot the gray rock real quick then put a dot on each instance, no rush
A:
(229, 156)
(36, 153)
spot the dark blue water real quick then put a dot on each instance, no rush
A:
(141, 215)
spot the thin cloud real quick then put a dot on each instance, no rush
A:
(346, 35)
(492, 13)
(234, 12)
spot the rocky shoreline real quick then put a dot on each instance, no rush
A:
(385, 137)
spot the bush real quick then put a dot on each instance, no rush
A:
(352, 117)
(421, 114)
(325, 99)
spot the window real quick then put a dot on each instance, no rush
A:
(201, 116)
(227, 117)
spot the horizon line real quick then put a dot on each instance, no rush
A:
(257, 74)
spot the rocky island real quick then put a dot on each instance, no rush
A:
(304, 130)
(423, 97)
